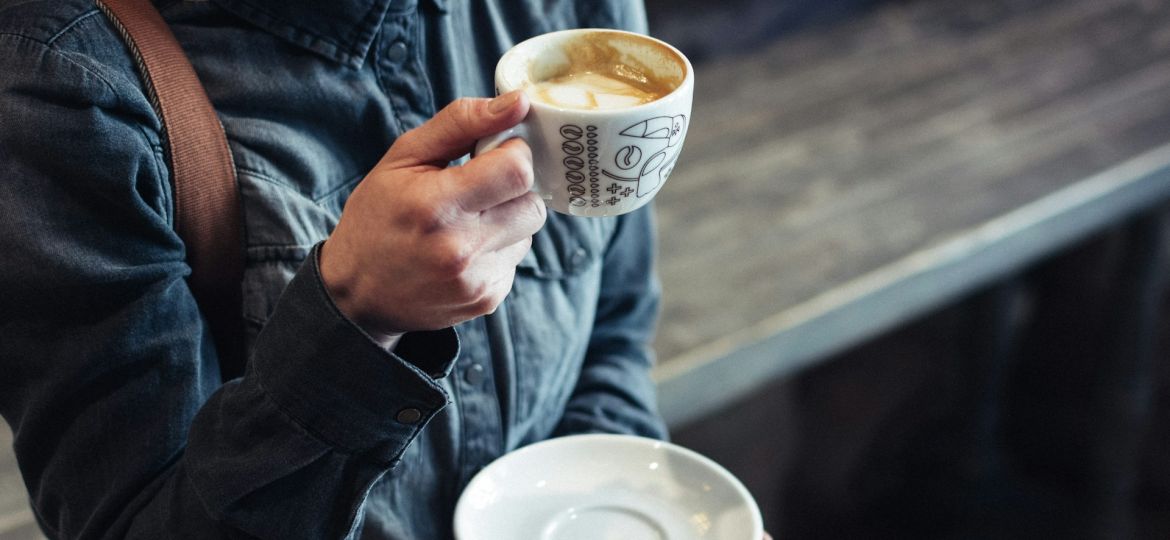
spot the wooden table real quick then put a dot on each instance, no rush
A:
(16, 519)
(842, 181)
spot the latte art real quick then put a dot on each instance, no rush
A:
(609, 113)
(591, 91)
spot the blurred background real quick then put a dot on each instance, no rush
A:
(915, 261)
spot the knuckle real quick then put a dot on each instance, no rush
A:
(463, 105)
(528, 213)
(517, 172)
(519, 147)
(463, 111)
(455, 264)
(473, 293)
(487, 304)
(427, 219)
(488, 294)
(537, 210)
(452, 259)
(429, 212)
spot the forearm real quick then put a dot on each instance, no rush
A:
(155, 450)
(338, 411)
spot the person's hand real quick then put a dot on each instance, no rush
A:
(423, 246)
(767, 536)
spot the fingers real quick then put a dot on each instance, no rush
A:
(454, 130)
(513, 221)
(497, 186)
(493, 177)
(421, 245)
(481, 291)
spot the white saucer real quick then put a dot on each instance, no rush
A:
(606, 487)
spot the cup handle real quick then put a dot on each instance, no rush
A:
(492, 141)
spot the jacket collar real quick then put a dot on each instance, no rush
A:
(341, 30)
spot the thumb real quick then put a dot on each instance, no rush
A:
(453, 132)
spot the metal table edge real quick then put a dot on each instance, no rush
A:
(715, 375)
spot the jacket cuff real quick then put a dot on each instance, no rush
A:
(330, 377)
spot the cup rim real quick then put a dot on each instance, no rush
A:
(688, 77)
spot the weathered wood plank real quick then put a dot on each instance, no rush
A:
(16, 519)
(834, 153)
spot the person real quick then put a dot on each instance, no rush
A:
(410, 314)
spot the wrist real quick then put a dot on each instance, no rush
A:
(344, 291)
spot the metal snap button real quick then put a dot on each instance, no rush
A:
(409, 415)
(578, 257)
(474, 374)
(397, 52)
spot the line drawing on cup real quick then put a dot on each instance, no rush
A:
(594, 187)
(573, 148)
(660, 136)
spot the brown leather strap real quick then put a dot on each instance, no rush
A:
(207, 208)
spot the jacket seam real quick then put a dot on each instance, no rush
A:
(61, 55)
(118, 98)
(70, 25)
(314, 197)
(337, 446)
(296, 33)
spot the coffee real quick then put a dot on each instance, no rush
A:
(589, 90)
(597, 71)
(609, 113)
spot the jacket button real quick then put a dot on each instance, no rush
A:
(474, 374)
(397, 52)
(577, 258)
(409, 415)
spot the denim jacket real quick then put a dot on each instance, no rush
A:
(123, 427)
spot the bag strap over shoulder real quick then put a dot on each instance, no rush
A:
(207, 211)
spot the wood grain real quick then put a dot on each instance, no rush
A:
(16, 519)
(831, 154)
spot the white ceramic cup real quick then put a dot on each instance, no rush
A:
(599, 162)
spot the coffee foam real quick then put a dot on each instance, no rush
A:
(590, 90)
(604, 70)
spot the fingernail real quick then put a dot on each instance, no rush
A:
(504, 102)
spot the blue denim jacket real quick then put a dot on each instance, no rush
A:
(123, 427)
